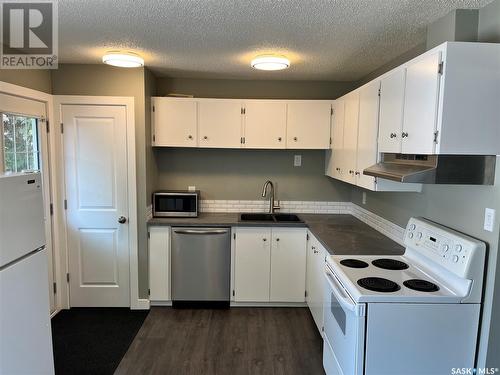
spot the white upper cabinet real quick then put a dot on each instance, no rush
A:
(367, 133)
(350, 149)
(219, 123)
(392, 97)
(421, 104)
(174, 122)
(308, 124)
(265, 124)
(334, 162)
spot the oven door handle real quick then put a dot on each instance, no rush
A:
(344, 300)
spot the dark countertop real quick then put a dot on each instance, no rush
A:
(339, 234)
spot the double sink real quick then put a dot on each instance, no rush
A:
(276, 218)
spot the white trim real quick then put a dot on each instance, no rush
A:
(268, 304)
(142, 304)
(128, 102)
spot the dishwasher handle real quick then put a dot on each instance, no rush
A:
(201, 232)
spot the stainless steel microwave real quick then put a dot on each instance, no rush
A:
(176, 203)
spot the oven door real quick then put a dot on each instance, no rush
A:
(344, 329)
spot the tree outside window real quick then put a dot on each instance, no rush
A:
(20, 143)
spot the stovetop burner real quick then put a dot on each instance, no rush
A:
(354, 263)
(390, 264)
(421, 285)
(378, 284)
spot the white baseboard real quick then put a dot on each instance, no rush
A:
(141, 304)
(268, 304)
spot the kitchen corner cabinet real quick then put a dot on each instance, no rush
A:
(356, 121)
(175, 122)
(314, 279)
(265, 124)
(308, 124)
(269, 264)
(159, 263)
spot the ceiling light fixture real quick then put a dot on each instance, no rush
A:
(123, 59)
(270, 62)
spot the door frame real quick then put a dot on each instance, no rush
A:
(128, 103)
(47, 151)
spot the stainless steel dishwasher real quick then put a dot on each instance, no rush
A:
(201, 267)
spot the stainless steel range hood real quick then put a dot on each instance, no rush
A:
(435, 169)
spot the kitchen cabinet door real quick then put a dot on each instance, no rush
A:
(421, 104)
(252, 264)
(219, 123)
(265, 124)
(392, 95)
(175, 122)
(288, 265)
(350, 148)
(159, 263)
(334, 156)
(308, 124)
(315, 280)
(367, 133)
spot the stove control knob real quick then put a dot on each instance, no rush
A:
(446, 248)
(458, 248)
(455, 258)
(410, 235)
(419, 235)
(412, 227)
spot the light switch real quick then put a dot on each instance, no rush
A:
(297, 161)
(489, 219)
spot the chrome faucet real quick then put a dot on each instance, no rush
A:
(272, 206)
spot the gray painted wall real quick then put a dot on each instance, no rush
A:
(240, 174)
(36, 79)
(489, 23)
(459, 25)
(248, 89)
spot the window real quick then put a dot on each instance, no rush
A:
(20, 143)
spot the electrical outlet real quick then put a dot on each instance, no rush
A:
(364, 197)
(489, 219)
(297, 160)
(191, 188)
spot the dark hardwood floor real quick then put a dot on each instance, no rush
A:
(260, 341)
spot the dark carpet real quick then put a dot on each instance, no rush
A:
(93, 340)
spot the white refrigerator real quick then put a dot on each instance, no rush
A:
(25, 331)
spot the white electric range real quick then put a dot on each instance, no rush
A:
(417, 313)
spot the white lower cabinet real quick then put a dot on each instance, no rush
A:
(252, 264)
(288, 259)
(159, 263)
(269, 264)
(314, 279)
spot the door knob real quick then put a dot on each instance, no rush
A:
(122, 219)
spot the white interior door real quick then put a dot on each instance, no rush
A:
(95, 159)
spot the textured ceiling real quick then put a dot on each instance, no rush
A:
(325, 40)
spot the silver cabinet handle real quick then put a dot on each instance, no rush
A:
(295, 139)
(205, 137)
(264, 239)
(195, 231)
(190, 137)
(122, 220)
(277, 239)
(279, 139)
